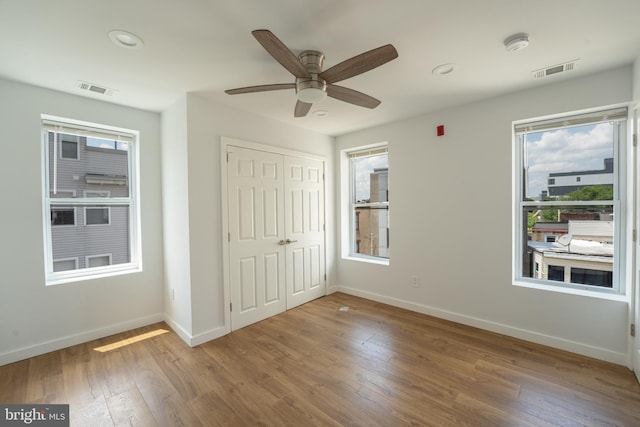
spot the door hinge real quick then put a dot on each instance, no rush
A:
(227, 157)
(325, 276)
(635, 139)
(229, 236)
(634, 235)
(230, 306)
(632, 330)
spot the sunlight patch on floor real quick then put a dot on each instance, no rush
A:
(132, 340)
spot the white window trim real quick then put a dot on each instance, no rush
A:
(135, 242)
(622, 227)
(108, 208)
(346, 191)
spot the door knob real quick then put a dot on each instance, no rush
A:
(282, 242)
(290, 241)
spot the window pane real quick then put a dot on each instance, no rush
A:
(370, 198)
(571, 163)
(65, 264)
(63, 216)
(556, 273)
(98, 169)
(85, 242)
(372, 231)
(97, 216)
(592, 277)
(371, 178)
(69, 149)
(574, 237)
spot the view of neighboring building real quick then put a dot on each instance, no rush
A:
(372, 217)
(583, 256)
(88, 234)
(561, 183)
(548, 231)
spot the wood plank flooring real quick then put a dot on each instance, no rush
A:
(373, 365)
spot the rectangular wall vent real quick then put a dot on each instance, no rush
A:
(95, 88)
(554, 69)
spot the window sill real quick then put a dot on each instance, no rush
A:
(85, 277)
(611, 296)
(368, 260)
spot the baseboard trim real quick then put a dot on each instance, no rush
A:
(83, 337)
(194, 340)
(535, 337)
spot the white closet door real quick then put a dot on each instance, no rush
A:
(304, 229)
(256, 233)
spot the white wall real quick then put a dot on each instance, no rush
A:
(35, 318)
(175, 215)
(451, 222)
(636, 80)
(201, 252)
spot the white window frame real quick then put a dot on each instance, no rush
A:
(622, 211)
(65, 125)
(348, 189)
(97, 207)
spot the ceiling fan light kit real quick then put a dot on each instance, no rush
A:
(312, 83)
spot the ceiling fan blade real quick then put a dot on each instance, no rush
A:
(352, 96)
(280, 53)
(359, 64)
(260, 88)
(302, 108)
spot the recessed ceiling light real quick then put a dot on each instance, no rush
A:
(321, 113)
(516, 42)
(125, 39)
(444, 69)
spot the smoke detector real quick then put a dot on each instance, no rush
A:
(516, 42)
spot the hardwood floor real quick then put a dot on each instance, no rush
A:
(373, 365)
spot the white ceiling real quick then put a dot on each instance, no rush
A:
(206, 46)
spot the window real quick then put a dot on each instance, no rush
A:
(369, 205)
(98, 260)
(556, 272)
(96, 216)
(571, 180)
(69, 146)
(91, 225)
(63, 216)
(65, 264)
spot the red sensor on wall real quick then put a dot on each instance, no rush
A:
(440, 130)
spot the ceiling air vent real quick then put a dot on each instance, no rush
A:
(554, 69)
(95, 88)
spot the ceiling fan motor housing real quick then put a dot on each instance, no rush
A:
(312, 89)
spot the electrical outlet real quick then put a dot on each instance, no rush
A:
(415, 281)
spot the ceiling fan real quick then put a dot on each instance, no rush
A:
(312, 84)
